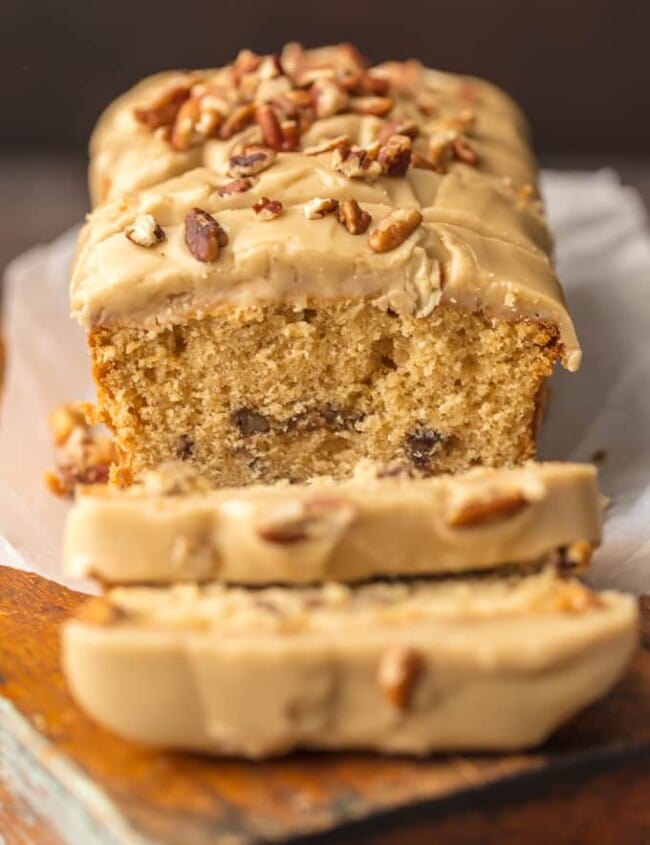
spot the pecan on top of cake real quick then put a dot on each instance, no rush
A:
(276, 100)
(282, 94)
(301, 101)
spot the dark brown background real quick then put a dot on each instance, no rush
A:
(580, 68)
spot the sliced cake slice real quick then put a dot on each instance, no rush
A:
(460, 664)
(174, 527)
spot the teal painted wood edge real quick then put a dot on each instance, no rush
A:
(56, 790)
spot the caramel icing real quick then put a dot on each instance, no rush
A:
(171, 527)
(483, 243)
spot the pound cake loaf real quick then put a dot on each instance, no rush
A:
(361, 271)
(472, 664)
(174, 527)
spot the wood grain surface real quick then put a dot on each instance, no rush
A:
(66, 780)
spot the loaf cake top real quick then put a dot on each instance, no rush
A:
(178, 120)
(172, 526)
(418, 195)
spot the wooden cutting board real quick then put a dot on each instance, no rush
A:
(65, 780)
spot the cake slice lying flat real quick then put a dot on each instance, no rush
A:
(472, 664)
(173, 527)
(350, 275)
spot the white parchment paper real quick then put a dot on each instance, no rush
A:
(603, 251)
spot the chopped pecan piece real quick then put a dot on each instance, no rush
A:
(215, 96)
(237, 121)
(420, 161)
(378, 106)
(463, 151)
(318, 208)
(309, 75)
(270, 67)
(356, 163)
(246, 61)
(284, 534)
(237, 186)
(364, 84)
(399, 126)
(290, 103)
(267, 209)
(347, 59)
(441, 151)
(285, 105)
(328, 98)
(485, 509)
(268, 122)
(292, 57)
(290, 135)
(276, 134)
(400, 668)
(394, 229)
(204, 236)
(311, 520)
(251, 163)
(84, 452)
(395, 155)
(145, 231)
(164, 110)
(273, 88)
(197, 119)
(63, 420)
(326, 146)
(184, 134)
(306, 117)
(251, 147)
(248, 86)
(355, 219)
